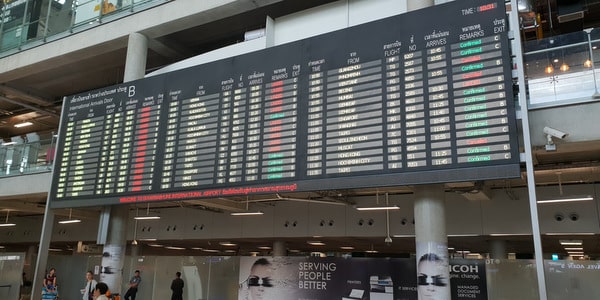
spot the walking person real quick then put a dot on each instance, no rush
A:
(177, 287)
(134, 282)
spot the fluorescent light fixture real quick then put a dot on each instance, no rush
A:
(210, 250)
(347, 248)
(247, 213)
(196, 248)
(571, 242)
(568, 199)
(54, 249)
(574, 248)
(174, 248)
(391, 207)
(156, 245)
(509, 234)
(147, 240)
(230, 244)
(570, 233)
(462, 235)
(23, 124)
(574, 252)
(6, 224)
(315, 243)
(70, 221)
(403, 235)
(147, 217)
(264, 248)
(8, 144)
(371, 251)
(451, 248)
(230, 251)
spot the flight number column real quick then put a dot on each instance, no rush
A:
(438, 104)
(109, 161)
(414, 101)
(316, 102)
(393, 112)
(279, 125)
(224, 131)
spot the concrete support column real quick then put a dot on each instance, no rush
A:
(418, 4)
(113, 256)
(431, 242)
(498, 249)
(42, 259)
(116, 239)
(279, 248)
(137, 52)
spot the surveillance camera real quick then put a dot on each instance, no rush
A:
(555, 132)
(388, 241)
(559, 217)
(574, 216)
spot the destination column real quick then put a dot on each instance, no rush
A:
(84, 161)
(66, 161)
(354, 117)
(193, 140)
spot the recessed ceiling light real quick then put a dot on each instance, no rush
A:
(264, 248)
(347, 248)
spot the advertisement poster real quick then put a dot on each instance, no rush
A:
(467, 279)
(301, 278)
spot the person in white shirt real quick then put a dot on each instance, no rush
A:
(100, 291)
(90, 286)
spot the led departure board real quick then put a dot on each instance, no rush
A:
(398, 101)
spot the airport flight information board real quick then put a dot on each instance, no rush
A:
(423, 97)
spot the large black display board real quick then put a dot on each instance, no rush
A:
(423, 97)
